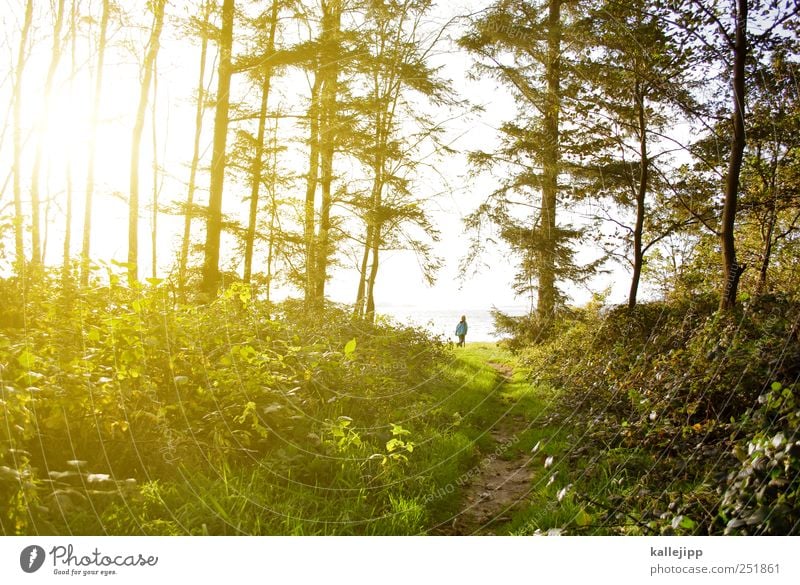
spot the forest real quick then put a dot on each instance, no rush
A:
(187, 187)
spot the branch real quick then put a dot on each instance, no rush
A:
(715, 20)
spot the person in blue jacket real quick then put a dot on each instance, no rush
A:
(461, 330)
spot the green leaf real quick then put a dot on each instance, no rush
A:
(776, 386)
(93, 335)
(397, 430)
(349, 347)
(27, 360)
(688, 523)
(394, 444)
(582, 518)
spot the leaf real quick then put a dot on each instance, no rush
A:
(394, 444)
(27, 360)
(582, 518)
(397, 430)
(349, 348)
(776, 386)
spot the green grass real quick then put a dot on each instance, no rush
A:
(528, 409)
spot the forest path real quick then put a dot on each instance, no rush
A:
(501, 481)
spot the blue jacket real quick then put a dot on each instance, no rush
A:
(461, 328)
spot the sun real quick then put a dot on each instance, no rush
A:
(58, 129)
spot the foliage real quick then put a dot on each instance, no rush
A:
(127, 412)
(689, 415)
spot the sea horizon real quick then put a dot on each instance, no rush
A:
(443, 320)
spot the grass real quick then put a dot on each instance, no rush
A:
(525, 410)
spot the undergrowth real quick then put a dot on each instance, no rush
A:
(686, 419)
(127, 412)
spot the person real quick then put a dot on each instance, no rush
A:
(461, 330)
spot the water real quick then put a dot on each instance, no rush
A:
(443, 321)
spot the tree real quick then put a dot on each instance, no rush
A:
(521, 45)
(65, 269)
(22, 57)
(770, 191)
(211, 275)
(732, 48)
(634, 83)
(731, 270)
(266, 73)
(331, 51)
(200, 103)
(55, 57)
(325, 62)
(157, 176)
(93, 124)
(393, 63)
(136, 139)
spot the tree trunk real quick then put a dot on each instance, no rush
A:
(638, 255)
(211, 275)
(255, 180)
(360, 306)
(311, 189)
(373, 273)
(22, 57)
(198, 131)
(136, 141)
(766, 255)
(93, 123)
(331, 24)
(255, 170)
(731, 270)
(273, 215)
(374, 220)
(386, 90)
(55, 57)
(156, 188)
(65, 268)
(550, 159)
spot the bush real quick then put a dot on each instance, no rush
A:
(687, 391)
(110, 388)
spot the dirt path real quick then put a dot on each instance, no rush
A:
(500, 480)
